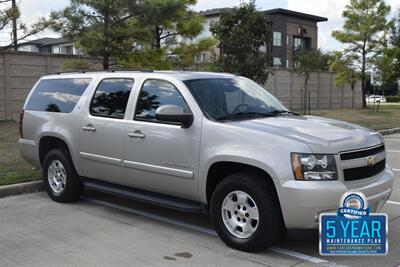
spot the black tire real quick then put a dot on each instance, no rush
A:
(73, 187)
(270, 224)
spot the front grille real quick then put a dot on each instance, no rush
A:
(362, 153)
(364, 172)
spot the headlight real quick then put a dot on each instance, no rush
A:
(314, 167)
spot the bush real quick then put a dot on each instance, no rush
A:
(392, 99)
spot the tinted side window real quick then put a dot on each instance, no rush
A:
(57, 95)
(111, 98)
(156, 93)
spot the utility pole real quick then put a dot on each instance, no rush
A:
(14, 25)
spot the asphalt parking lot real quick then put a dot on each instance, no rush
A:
(101, 230)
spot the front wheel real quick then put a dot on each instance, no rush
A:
(60, 178)
(246, 212)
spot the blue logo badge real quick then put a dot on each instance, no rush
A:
(353, 230)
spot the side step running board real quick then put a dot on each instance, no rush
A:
(145, 196)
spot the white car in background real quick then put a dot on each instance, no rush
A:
(376, 99)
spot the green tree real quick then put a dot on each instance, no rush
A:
(146, 58)
(395, 42)
(387, 70)
(10, 20)
(183, 56)
(365, 21)
(345, 71)
(168, 19)
(305, 62)
(180, 57)
(170, 24)
(243, 32)
(101, 28)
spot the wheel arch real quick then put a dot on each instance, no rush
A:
(221, 169)
(49, 142)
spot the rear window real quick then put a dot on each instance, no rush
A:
(57, 95)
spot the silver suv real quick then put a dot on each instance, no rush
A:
(199, 142)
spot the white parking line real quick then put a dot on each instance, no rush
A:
(396, 170)
(298, 255)
(393, 151)
(204, 230)
(393, 202)
(391, 139)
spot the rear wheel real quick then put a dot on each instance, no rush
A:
(60, 178)
(246, 212)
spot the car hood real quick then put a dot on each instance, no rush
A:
(322, 135)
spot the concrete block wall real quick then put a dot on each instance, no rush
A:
(288, 87)
(18, 73)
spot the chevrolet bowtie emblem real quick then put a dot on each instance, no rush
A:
(371, 161)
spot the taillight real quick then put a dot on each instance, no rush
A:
(20, 124)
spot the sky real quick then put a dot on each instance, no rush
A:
(31, 10)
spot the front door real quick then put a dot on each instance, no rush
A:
(161, 157)
(103, 129)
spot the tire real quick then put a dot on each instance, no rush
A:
(58, 167)
(251, 191)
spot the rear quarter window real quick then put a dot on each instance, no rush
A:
(57, 95)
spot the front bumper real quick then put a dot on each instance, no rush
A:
(303, 201)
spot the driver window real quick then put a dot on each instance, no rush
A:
(156, 93)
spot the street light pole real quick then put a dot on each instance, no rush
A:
(14, 25)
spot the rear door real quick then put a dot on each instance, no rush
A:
(103, 130)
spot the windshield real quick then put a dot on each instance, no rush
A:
(232, 98)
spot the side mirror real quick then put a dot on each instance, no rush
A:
(174, 114)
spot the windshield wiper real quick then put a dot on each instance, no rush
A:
(282, 111)
(245, 114)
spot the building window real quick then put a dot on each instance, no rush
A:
(298, 43)
(277, 39)
(69, 50)
(199, 58)
(277, 62)
(301, 43)
(56, 49)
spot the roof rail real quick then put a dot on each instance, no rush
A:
(138, 70)
(110, 70)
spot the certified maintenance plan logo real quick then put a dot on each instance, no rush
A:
(353, 230)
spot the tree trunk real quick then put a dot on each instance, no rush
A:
(363, 77)
(156, 42)
(106, 47)
(363, 90)
(106, 62)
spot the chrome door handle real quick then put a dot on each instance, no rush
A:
(89, 128)
(136, 134)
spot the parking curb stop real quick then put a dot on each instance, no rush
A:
(389, 131)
